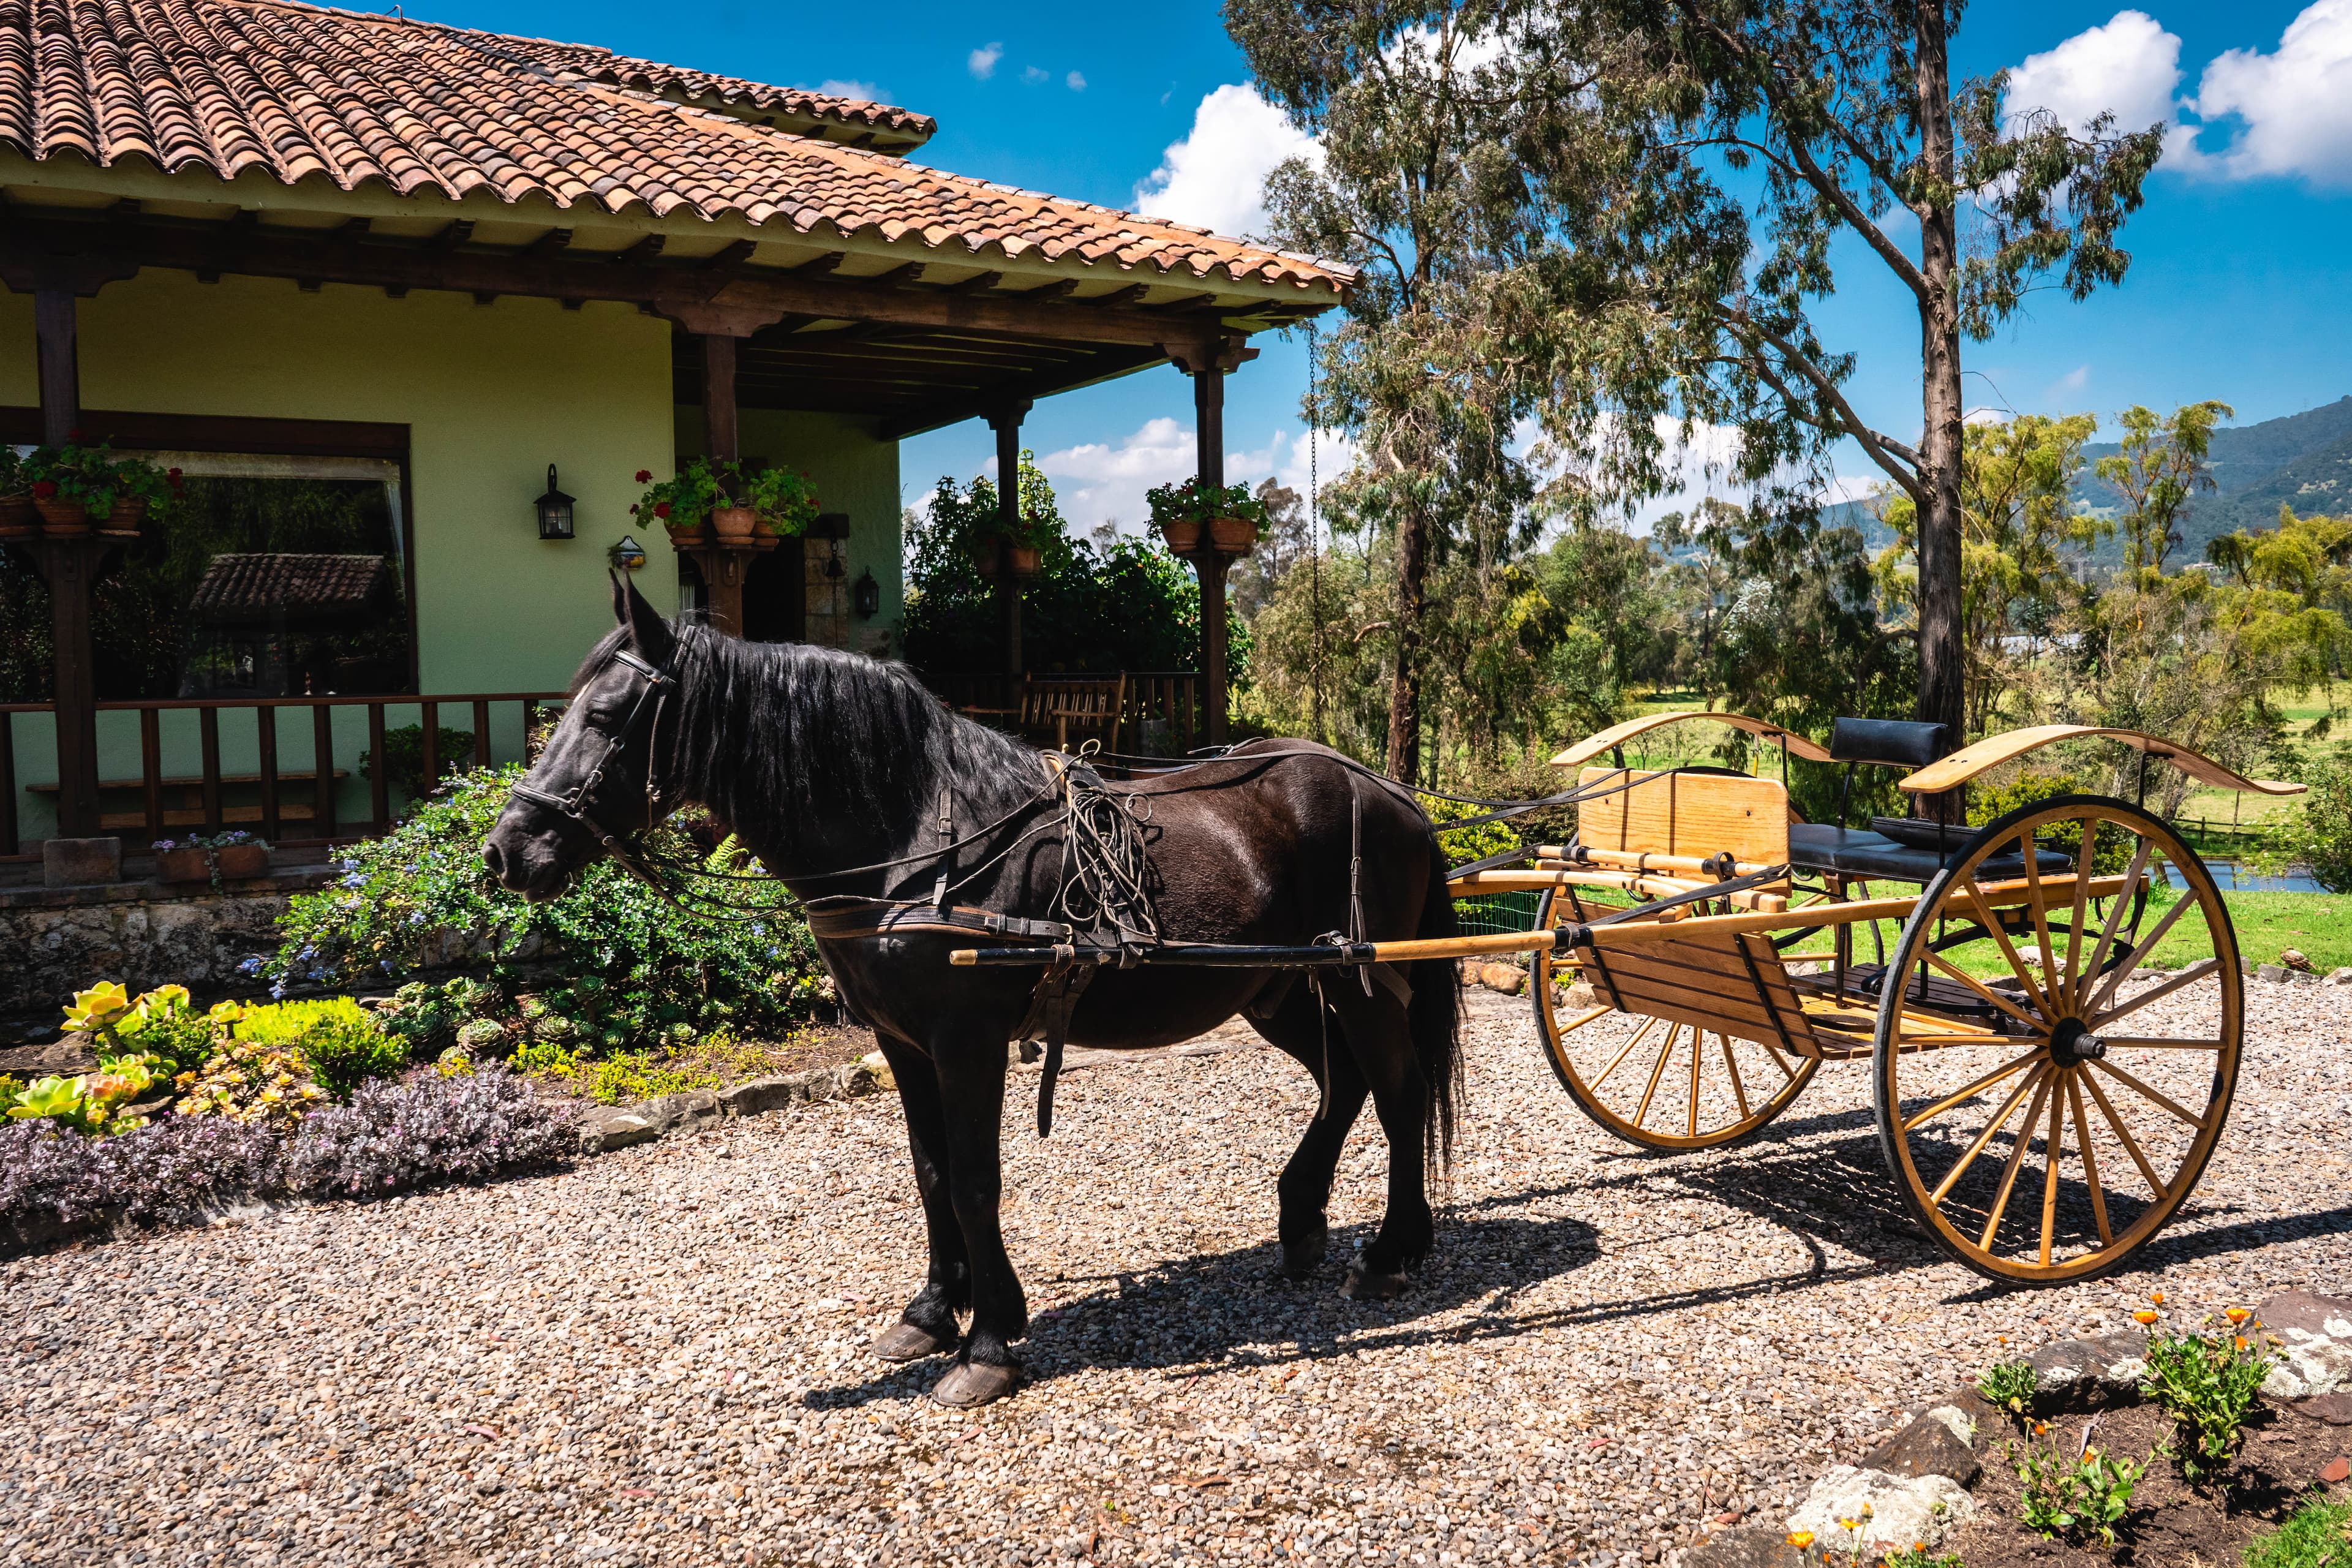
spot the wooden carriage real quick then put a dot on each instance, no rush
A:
(2072, 961)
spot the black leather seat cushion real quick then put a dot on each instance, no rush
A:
(1819, 846)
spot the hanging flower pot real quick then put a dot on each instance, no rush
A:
(126, 515)
(1182, 534)
(1023, 558)
(985, 556)
(733, 521)
(1231, 535)
(18, 518)
(61, 518)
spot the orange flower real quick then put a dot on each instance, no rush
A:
(1865, 1510)
(2157, 1297)
(2243, 1342)
(2040, 1427)
(1800, 1539)
(2237, 1314)
(2144, 1318)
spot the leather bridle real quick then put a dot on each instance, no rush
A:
(653, 686)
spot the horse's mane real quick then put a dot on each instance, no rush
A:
(796, 740)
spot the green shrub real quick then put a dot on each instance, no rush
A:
(2080, 1497)
(2317, 1535)
(2207, 1383)
(2008, 1385)
(344, 1043)
(404, 757)
(2028, 788)
(2318, 833)
(628, 965)
(251, 1082)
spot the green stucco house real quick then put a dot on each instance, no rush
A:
(365, 280)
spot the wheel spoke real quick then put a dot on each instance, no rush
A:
(1970, 980)
(1658, 1072)
(1779, 1061)
(2084, 858)
(1731, 1066)
(1989, 1079)
(2141, 948)
(2156, 1095)
(2016, 1162)
(2132, 874)
(2090, 1159)
(1699, 1042)
(1647, 1024)
(2130, 1146)
(2034, 901)
(2189, 977)
(2033, 987)
(2053, 1149)
(1952, 1177)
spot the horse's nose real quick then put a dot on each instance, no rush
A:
(496, 861)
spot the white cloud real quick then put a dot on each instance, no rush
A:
(1077, 80)
(1215, 177)
(2127, 67)
(1033, 75)
(2069, 384)
(982, 61)
(2292, 110)
(1101, 482)
(864, 91)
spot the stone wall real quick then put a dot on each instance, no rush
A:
(144, 934)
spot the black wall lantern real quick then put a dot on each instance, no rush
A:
(555, 511)
(866, 594)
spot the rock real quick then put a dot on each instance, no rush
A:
(1468, 970)
(2272, 971)
(2335, 1409)
(2293, 959)
(2316, 1357)
(1579, 996)
(1506, 979)
(1902, 1510)
(2098, 1371)
(2302, 977)
(1749, 1546)
(756, 1097)
(680, 1113)
(2342, 976)
(1942, 1442)
(2337, 1469)
(877, 1067)
(79, 862)
(610, 1130)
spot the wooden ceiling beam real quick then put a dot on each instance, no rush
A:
(1102, 365)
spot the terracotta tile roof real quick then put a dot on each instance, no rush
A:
(263, 587)
(355, 99)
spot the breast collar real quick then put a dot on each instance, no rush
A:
(654, 686)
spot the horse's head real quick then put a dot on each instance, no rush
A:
(594, 783)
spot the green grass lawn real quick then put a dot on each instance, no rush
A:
(2318, 925)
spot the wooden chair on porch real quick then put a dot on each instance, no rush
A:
(1068, 710)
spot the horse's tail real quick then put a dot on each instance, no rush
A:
(1435, 1018)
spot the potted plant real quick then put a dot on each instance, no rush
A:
(1240, 515)
(681, 503)
(783, 501)
(138, 488)
(18, 518)
(235, 856)
(1191, 513)
(1024, 546)
(63, 485)
(178, 862)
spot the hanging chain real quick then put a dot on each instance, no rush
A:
(1315, 528)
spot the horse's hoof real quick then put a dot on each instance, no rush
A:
(1367, 1285)
(904, 1341)
(971, 1383)
(1304, 1259)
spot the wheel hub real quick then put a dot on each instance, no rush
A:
(2072, 1042)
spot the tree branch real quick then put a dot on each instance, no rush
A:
(1884, 450)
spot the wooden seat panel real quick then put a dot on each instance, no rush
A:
(1696, 815)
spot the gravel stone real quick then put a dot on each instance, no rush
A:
(661, 1355)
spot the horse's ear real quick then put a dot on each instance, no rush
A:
(649, 633)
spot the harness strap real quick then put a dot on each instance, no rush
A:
(1050, 1006)
(847, 925)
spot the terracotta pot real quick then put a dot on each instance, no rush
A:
(1182, 534)
(1231, 535)
(683, 536)
(240, 861)
(127, 515)
(61, 518)
(733, 521)
(1023, 558)
(18, 518)
(181, 866)
(985, 557)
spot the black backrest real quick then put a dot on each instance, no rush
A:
(1886, 742)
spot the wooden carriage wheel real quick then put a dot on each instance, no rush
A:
(2055, 1145)
(1660, 1086)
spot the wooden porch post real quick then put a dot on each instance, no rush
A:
(69, 564)
(1005, 420)
(723, 565)
(721, 431)
(1208, 365)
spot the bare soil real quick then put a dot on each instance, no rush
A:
(2171, 1523)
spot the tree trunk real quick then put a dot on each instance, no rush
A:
(1943, 654)
(1405, 685)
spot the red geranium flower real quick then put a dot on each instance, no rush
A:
(45, 489)
(661, 509)
(645, 476)
(172, 475)
(76, 435)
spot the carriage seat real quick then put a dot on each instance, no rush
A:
(1853, 852)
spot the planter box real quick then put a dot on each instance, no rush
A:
(181, 866)
(241, 862)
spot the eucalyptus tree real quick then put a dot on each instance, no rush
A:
(1699, 162)
(1415, 186)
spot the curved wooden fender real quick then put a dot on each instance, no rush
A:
(1993, 750)
(1616, 735)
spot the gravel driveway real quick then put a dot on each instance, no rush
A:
(659, 1357)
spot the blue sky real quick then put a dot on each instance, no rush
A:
(2238, 290)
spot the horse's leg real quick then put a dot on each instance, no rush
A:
(971, 1071)
(929, 1323)
(1380, 1039)
(1306, 1185)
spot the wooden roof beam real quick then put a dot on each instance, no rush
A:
(1102, 365)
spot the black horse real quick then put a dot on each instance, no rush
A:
(822, 762)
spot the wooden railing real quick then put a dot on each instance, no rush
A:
(1156, 696)
(197, 801)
